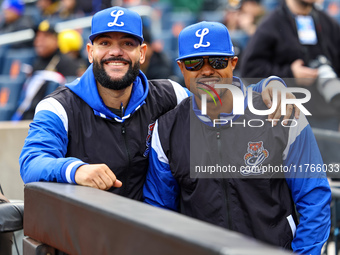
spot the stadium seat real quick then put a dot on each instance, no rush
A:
(9, 95)
(3, 51)
(16, 60)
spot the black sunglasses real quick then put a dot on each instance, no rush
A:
(195, 64)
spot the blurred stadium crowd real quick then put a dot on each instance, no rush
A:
(43, 42)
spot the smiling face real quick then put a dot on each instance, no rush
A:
(116, 59)
(204, 80)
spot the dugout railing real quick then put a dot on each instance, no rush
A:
(72, 219)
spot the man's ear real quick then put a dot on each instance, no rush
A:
(234, 62)
(89, 48)
(143, 49)
(180, 65)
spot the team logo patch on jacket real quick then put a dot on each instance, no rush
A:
(148, 139)
(255, 156)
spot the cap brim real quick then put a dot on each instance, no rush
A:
(93, 36)
(201, 54)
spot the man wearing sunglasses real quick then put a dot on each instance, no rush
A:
(239, 172)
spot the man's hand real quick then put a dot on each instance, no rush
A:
(267, 96)
(97, 176)
(304, 76)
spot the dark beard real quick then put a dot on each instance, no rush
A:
(105, 80)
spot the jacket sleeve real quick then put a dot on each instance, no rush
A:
(160, 188)
(180, 91)
(310, 189)
(43, 155)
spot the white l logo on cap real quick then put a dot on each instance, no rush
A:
(205, 31)
(116, 16)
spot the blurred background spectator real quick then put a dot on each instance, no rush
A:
(12, 19)
(157, 65)
(90, 7)
(251, 13)
(185, 5)
(71, 43)
(69, 9)
(301, 42)
(242, 17)
(49, 56)
(47, 8)
(50, 69)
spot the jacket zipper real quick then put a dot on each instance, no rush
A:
(223, 180)
(125, 174)
(125, 142)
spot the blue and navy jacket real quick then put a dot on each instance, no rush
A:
(72, 127)
(245, 175)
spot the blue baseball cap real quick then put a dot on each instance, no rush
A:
(205, 39)
(117, 19)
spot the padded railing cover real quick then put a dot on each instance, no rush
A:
(11, 216)
(81, 220)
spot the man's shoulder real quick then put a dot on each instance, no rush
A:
(160, 84)
(61, 91)
(175, 123)
(63, 95)
(163, 90)
(179, 114)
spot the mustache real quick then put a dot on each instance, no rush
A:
(115, 59)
